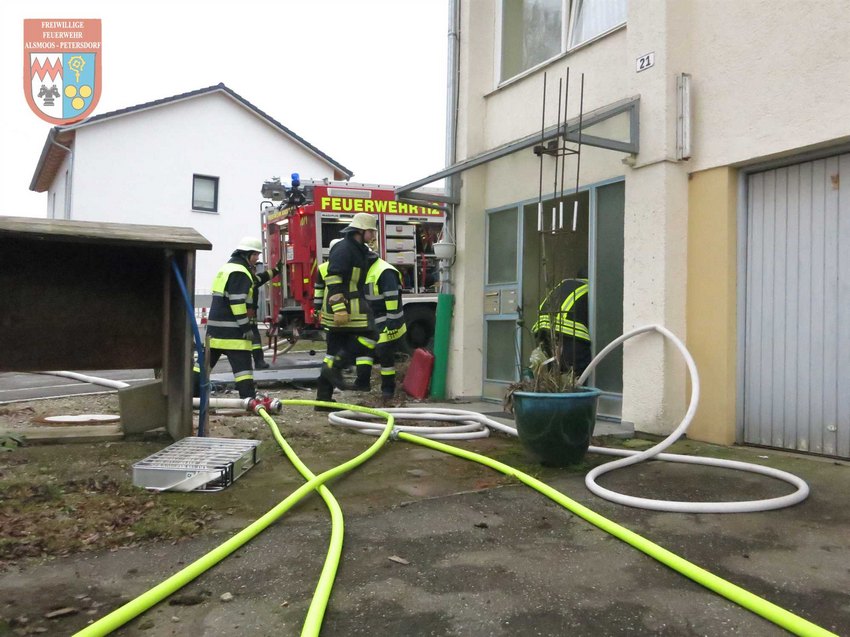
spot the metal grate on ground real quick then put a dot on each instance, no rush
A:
(196, 464)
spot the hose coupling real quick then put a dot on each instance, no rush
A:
(264, 401)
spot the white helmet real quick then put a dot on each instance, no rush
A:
(333, 243)
(250, 244)
(362, 221)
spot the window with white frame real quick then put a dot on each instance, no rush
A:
(534, 31)
(205, 193)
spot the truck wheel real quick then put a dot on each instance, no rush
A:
(420, 320)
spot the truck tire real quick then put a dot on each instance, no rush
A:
(420, 320)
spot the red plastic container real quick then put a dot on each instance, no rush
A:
(418, 375)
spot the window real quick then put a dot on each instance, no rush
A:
(205, 193)
(594, 17)
(502, 247)
(533, 31)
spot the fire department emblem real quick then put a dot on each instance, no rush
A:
(62, 68)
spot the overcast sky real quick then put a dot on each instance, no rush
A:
(336, 72)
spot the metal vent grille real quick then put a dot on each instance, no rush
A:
(196, 464)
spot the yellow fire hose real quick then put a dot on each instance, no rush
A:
(758, 605)
(312, 625)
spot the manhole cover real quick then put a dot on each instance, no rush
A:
(80, 419)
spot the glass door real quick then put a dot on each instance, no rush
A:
(606, 293)
(501, 286)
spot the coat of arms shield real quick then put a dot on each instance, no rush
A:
(62, 68)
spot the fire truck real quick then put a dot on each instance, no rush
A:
(300, 221)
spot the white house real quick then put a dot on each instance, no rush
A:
(713, 198)
(196, 160)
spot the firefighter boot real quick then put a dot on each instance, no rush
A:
(387, 388)
(324, 392)
(364, 378)
(259, 360)
(332, 373)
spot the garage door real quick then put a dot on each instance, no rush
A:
(796, 385)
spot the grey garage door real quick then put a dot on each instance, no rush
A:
(796, 385)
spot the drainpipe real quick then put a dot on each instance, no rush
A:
(445, 300)
(452, 90)
(68, 182)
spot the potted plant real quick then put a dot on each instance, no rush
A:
(555, 416)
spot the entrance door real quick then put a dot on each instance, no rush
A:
(797, 308)
(501, 343)
(514, 287)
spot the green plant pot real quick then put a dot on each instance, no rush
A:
(556, 428)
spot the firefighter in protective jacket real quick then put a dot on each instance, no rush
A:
(261, 277)
(228, 327)
(563, 315)
(383, 291)
(346, 314)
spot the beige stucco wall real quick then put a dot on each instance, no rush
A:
(711, 306)
(655, 226)
(770, 77)
(768, 80)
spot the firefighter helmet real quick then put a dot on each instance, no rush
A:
(362, 221)
(250, 244)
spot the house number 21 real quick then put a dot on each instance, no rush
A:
(644, 62)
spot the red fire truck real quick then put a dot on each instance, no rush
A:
(301, 220)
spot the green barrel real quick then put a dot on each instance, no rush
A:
(556, 428)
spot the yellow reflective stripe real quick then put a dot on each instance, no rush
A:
(366, 342)
(244, 377)
(391, 305)
(355, 277)
(387, 372)
(231, 343)
(333, 279)
(570, 328)
(328, 360)
(568, 303)
(238, 308)
(224, 273)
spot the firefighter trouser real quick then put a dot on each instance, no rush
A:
(243, 371)
(256, 342)
(344, 348)
(575, 352)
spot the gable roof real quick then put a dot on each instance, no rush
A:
(53, 151)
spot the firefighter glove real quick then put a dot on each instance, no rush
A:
(278, 267)
(341, 318)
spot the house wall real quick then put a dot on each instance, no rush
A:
(711, 304)
(57, 194)
(767, 82)
(769, 78)
(138, 168)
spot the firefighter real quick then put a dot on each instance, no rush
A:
(261, 277)
(319, 286)
(228, 327)
(563, 316)
(383, 291)
(345, 314)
